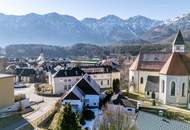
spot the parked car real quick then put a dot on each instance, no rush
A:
(19, 85)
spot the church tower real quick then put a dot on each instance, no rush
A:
(41, 58)
(178, 43)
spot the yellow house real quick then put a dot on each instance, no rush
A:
(6, 90)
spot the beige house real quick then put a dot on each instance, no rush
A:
(103, 75)
(6, 90)
(3, 64)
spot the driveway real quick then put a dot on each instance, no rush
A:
(39, 109)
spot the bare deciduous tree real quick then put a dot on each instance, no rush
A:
(114, 118)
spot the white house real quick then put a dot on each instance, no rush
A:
(64, 79)
(164, 74)
(86, 92)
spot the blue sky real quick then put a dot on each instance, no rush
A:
(157, 9)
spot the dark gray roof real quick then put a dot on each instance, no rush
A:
(86, 87)
(179, 39)
(25, 71)
(152, 84)
(119, 99)
(105, 69)
(69, 72)
(73, 94)
(82, 88)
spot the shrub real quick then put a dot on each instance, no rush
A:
(170, 115)
(70, 120)
(153, 103)
(88, 114)
(20, 97)
(116, 86)
(109, 92)
(82, 120)
(107, 98)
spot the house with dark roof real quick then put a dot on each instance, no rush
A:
(164, 73)
(64, 79)
(103, 74)
(85, 93)
(129, 105)
(25, 75)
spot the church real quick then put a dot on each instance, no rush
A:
(163, 76)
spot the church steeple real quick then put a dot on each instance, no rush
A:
(41, 58)
(178, 43)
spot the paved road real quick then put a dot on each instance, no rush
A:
(147, 121)
(40, 109)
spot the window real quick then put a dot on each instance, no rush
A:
(183, 90)
(132, 78)
(173, 88)
(101, 82)
(163, 86)
(86, 101)
(153, 95)
(108, 82)
(148, 93)
(69, 80)
(65, 80)
(141, 80)
(129, 109)
(69, 86)
(65, 87)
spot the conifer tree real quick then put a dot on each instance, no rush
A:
(70, 120)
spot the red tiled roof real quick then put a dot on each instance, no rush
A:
(152, 61)
(177, 64)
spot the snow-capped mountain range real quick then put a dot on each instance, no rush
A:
(54, 28)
